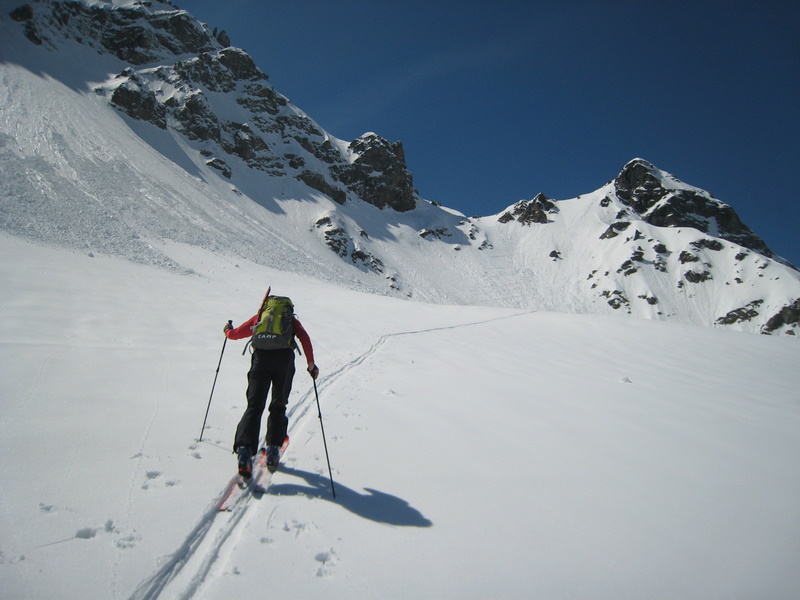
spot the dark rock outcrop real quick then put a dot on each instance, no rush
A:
(614, 229)
(530, 211)
(697, 276)
(788, 315)
(139, 103)
(316, 181)
(438, 233)
(379, 174)
(134, 34)
(337, 239)
(740, 315)
(644, 188)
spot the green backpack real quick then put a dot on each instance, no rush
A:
(274, 328)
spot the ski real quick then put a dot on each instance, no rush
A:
(238, 487)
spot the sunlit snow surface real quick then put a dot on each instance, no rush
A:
(475, 451)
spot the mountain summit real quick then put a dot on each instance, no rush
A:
(130, 128)
(660, 199)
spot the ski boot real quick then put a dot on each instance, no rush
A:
(273, 458)
(245, 462)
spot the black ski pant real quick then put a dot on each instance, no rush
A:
(268, 368)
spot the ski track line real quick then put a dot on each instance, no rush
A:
(9, 420)
(329, 380)
(346, 368)
(30, 396)
(132, 486)
(152, 587)
(197, 557)
(227, 536)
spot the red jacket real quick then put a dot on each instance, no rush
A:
(246, 330)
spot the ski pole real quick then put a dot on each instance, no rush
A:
(230, 322)
(322, 427)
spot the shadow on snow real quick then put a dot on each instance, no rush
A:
(374, 505)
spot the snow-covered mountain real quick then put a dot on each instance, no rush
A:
(129, 126)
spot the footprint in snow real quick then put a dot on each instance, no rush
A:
(328, 559)
(86, 533)
(151, 476)
(129, 541)
(297, 526)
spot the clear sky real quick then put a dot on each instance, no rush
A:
(498, 100)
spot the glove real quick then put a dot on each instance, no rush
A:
(313, 370)
(228, 326)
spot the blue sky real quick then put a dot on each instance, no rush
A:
(497, 101)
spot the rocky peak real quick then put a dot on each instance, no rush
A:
(183, 76)
(660, 199)
(378, 173)
(373, 150)
(530, 211)
(141, 33)
(219, 71)
(639, 186)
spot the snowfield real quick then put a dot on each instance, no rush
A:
(476, 451)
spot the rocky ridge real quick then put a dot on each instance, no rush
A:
(661, 199)
(643, 199)
(179, 70)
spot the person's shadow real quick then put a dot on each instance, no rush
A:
(374, 505)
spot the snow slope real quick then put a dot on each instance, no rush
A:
(476, 451)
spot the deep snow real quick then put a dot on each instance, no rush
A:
(476, 451)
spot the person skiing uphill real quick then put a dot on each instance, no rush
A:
(273, 330)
